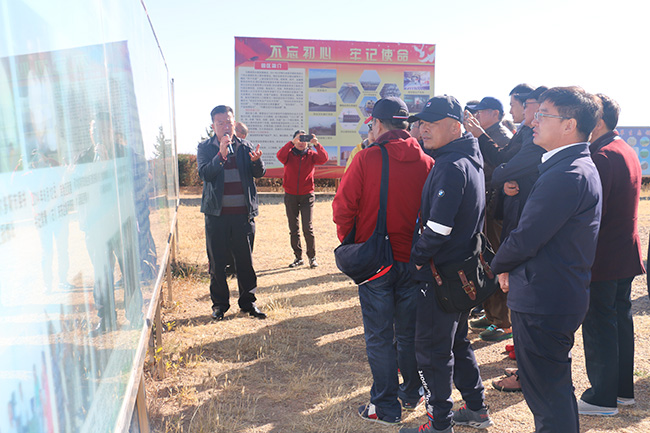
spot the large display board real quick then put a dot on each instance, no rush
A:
(327, 88)
(639, 138)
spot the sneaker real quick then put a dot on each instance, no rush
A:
(625, 401)
(477, 311)
(408, 405)
(426, 428)
(508, 384)
(585, 408)
(313, 263)
(369, 412)
(510, 371)
(477, 419)
(296, 263)
(481, 323)
(492, 333)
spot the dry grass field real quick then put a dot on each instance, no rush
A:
(304, 369)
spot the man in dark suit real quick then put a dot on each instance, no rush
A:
(608, 330)
(547, 259)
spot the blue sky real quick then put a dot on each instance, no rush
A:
(484, 48)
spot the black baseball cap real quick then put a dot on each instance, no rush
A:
(488, 103)
(535, 94)
(439, 107)
(389, 108)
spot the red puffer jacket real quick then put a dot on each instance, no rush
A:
(299, 167)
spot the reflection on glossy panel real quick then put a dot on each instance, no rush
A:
(87, 196)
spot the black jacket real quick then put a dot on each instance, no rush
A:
(452, 209)
(523, 168)
(211, 171)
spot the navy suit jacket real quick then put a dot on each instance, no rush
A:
(550, 253)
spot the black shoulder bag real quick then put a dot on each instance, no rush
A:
(373, 258)
(462, 286)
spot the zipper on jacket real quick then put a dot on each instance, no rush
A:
(298, 180)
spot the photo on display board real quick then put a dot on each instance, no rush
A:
(322, 125)
(320, 101)
(367, 104)
(349, 93)
(416, 80)
(333, 152)
(415, 103)
(345, 154)
(322, 78)
(369, 80)
(349, 118)
(389, 90)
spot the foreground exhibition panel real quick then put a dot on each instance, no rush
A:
(88, 196)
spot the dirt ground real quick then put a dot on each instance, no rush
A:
(304, 369)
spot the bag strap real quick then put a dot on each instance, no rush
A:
(383, 191)
(383, 196)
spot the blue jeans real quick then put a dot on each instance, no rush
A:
(388, 306)
(608, 334)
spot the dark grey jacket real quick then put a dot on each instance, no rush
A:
(211, 171)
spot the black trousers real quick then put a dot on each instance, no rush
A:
(226, 234)
(543, 347)
(444, 357)
(608, 335)
(303, 205)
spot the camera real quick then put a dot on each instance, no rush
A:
(306, 138)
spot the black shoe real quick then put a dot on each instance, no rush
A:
(296, 263)
(217, 313)
(254, 312)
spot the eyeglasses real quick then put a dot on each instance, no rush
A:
(539, 115)
(370, 126)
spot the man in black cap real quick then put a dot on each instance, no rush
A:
(489, 113)
(387, 300)
(451, 213)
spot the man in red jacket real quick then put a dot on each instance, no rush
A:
(388, 303)
(608, 330)
(299, 159)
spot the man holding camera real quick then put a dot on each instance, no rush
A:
(299, 157)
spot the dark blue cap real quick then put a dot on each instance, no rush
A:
(439, 107)
(488, 103)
